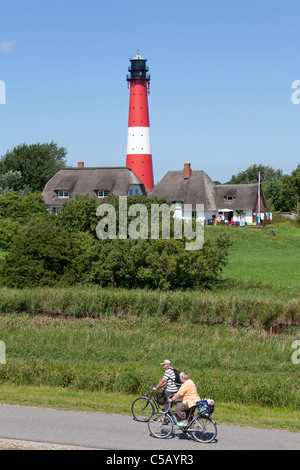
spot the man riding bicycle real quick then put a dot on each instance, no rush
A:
(167, 380)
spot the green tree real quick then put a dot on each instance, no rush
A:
(79, 215)
(14, 206)
(251, 174)
(9, 229)
(290, 191)
(12, 181)
(43, 254)
(36, 163)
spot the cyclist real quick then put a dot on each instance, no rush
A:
(167, 380)
(189, 395)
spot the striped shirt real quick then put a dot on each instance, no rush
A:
(169, 377)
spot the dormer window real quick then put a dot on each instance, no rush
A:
(63, 194)
(134, 190)
(103, 193)
(229, 198)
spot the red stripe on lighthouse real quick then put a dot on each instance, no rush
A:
(141, 165)
(138, 105)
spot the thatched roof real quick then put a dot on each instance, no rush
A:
(84, 181)
(244, 196)
(199, 188)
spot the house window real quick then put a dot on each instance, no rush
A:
(229, 198)
(134, 189)
(63, 194)
(103, 193)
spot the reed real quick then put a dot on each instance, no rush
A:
(204, 307)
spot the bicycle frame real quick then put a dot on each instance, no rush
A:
(152, 399)
(171, 413)
(201, 428)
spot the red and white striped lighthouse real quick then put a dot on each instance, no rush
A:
(139, 154)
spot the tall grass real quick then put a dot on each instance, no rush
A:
(123, 355)
(209, 308)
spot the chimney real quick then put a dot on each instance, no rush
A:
(187, 171)
(80, 164)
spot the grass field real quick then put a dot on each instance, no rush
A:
(258, 255)
(70, 360)
(248, 371)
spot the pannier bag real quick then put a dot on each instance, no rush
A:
(206, 407)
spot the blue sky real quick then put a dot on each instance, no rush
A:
(221, 78)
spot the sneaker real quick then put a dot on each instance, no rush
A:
(181, 424)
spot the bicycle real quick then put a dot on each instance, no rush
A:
(201, 427)
(144, 407)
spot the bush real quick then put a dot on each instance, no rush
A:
(9, 228)
(155, 264)
(79, 215)
(43, 255)
(14, 206)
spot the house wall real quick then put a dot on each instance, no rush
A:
(181, 214)
(208, 215)
(248, 217)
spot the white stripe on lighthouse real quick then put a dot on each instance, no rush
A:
(138, 141)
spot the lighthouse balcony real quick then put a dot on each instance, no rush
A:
(136, 75)
(137, 67)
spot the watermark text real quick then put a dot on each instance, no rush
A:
(139, 222)
(2, 92)
(2, 353)
(296, 94)
(296, 354)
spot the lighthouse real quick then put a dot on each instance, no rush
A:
(139, 154)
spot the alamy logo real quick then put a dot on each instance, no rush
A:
(2, 353)
(296, 354)
(296, 94)
(2, 92)
(155, 224)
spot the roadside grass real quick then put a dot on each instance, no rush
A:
(248, 366)
(117, 403)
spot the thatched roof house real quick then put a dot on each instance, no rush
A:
(227, 201)
(96, 182)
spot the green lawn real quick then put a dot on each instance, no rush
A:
(259, 256)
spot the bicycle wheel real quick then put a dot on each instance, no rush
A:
(142, 409)
(160, 425)
(203, 429)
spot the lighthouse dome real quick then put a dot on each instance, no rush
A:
(138, 56)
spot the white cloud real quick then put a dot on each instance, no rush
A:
(7, 46)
